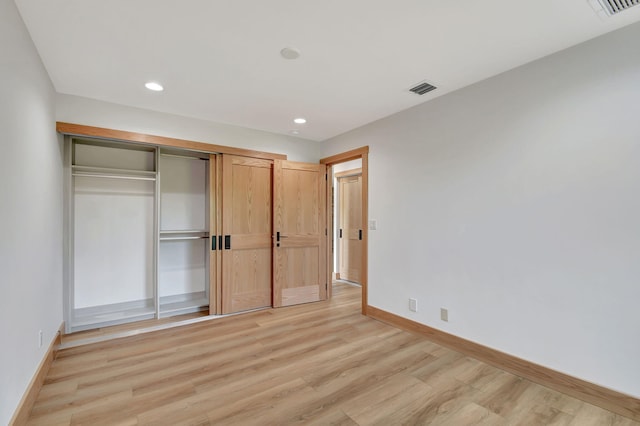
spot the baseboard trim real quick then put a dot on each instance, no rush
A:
(23, 410)
(608, 399)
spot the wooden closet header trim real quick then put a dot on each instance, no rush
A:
(345, 156)
(121, 135)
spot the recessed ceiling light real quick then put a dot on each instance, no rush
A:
(152, 85)
(300, 120)
(290, 53)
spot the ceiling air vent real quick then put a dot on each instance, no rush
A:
(424, 87)
(613, 7)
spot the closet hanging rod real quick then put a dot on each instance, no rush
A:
(183, 156)
(182, 238)
(112, 176)
(183, 231)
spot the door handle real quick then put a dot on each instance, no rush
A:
(213, 242)
(227, 242)
(340, 232)
(360, 234)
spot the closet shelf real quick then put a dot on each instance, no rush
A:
(113, 171)
(179, 304)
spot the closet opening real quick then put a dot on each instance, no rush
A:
(138, 233)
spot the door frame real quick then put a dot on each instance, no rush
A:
(363, 154)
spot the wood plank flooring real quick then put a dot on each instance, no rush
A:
(320, 363)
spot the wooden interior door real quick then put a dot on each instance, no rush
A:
(350, 228)
(299, 254)
(246, 233)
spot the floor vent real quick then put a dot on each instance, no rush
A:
(423, 88)
(613, 7)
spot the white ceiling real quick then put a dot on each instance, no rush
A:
(220, 61)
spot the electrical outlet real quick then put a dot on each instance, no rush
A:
(444, 314)
(373, 225)
(413, 305)
(40, 338)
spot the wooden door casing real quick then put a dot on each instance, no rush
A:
(299, 253)
(247, 233)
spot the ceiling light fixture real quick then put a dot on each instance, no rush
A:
(152, 85)
(300, 120)
(290, 53)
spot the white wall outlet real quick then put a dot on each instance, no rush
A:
(444, 314)
(373, 225)
(413, 305)
(40, 338)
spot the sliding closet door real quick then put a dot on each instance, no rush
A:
(215, 227)
(299, 223)
(246, 217)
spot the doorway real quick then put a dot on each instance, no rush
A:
(354, 162)
(347, 184)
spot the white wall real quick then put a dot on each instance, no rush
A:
(515, 203)
(90, 112)
(30, 211)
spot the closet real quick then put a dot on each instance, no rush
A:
(139, 220)
(157, 231)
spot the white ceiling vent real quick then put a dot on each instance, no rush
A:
(424, 87)
(613, 7)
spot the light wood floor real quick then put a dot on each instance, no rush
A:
(319, 363)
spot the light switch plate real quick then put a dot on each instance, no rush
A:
(413, 305)
(444, 314)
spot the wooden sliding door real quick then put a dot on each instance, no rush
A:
(299, 254)
(246, 233)
(215, 225)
